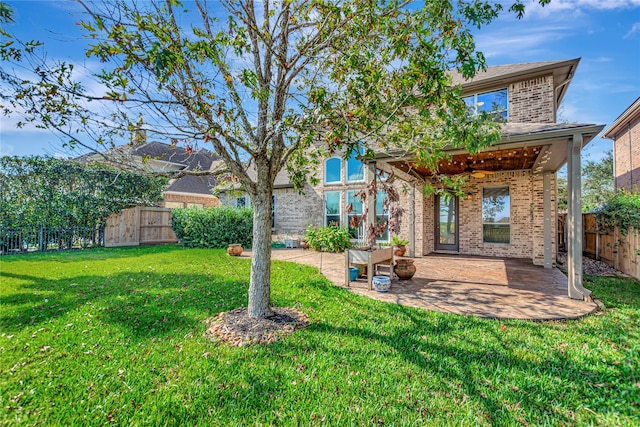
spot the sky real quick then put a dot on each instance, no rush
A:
(605, 34)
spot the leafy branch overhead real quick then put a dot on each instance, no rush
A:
(270, 85)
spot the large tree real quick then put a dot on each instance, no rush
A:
(597, 184)
(270, 85)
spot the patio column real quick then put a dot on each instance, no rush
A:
(548, 252)
(371, 198)
(412, 219)
(574, 220)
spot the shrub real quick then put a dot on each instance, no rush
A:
(622, 211)
(329, 239)
(213, 227)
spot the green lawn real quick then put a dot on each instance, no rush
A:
(115, 336)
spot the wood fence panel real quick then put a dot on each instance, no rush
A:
(562, 232)
(139, 226)
(155, 226)
(122, 229)
(620, 251)
(607, 248)
(591, 236)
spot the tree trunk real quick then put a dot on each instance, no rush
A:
(260, 284)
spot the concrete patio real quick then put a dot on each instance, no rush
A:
(501, 288)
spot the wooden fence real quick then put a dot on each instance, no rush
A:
(614, 248)
(139, 226)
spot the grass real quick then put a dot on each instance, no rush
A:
(115, 336)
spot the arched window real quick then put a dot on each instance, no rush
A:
(332, 170)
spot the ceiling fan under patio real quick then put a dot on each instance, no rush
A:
(476, 173)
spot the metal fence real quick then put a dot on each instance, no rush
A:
(42, 239)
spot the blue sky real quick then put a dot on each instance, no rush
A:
(604, 33)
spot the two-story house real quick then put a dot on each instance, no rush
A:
(509, 208)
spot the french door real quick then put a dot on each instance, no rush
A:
(446, 220)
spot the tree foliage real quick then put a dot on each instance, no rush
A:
(597, 184)
(622, 211)
(55, 193)
(270, 85)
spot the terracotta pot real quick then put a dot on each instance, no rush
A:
(234, 249)
(399, 250)
(304, 244)
(404, 268)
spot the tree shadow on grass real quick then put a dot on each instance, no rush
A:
(518, 371)
(498, 378)
(145, 304)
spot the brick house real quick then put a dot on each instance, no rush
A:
(625, 133)
(186, 191)
(510, 205)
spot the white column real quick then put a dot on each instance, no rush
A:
(371, 199)
(412, 219)
(548, 223)
(574, 219)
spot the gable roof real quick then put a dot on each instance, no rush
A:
(164, 157)
(500, 75)
(630, 114)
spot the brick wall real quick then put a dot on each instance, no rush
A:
(527, 220)
(532, 101)
(627, 157)
(173, 200)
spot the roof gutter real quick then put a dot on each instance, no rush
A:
(522, 140)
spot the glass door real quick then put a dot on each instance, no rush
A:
(446, 222)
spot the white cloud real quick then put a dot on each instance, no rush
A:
(533, 7)
(635, 28)
(493, 43)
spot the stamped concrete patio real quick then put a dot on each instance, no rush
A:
(502, 288)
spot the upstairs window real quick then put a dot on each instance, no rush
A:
(332, 169)
(355, 168)
(495, 103)
(496, 215)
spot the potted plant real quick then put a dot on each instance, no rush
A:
(399, 246)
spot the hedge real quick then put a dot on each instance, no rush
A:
(213, 227)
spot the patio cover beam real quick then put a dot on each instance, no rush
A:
(574, 219)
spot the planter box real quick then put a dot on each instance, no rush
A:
(370, 259)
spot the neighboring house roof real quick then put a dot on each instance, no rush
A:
(160, 157)
(619, 125)
(562, 71)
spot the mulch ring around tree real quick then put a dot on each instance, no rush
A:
(236, 328)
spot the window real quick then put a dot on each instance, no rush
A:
(273, 211)
(496, 215)
(195, 205)
(382, 215)
(242, 202)
(332, 169)
(332, 208)
(174, 205)
(355, 168)
(495, 103)
(357, 209)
